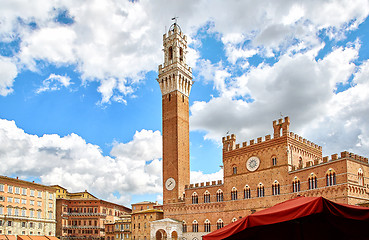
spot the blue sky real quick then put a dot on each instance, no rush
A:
(80, 105)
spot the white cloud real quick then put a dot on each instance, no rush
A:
(133, 168)
(121, 39)
(54, 82)
(298, 86)
(8, 72)
(199, 176)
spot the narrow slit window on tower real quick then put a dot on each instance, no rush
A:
(169, 97)
(181, 54)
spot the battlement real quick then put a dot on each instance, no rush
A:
(333, 157)
(202, 184)
(304, 141)
(281, 128)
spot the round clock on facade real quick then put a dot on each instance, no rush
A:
(252, 163)
(170, 184)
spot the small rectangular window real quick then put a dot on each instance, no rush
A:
(39, 203)
(24, 201)
(16, 200)
(1, 187)
(10, 199)
(10, 189)
(16, 190)
(24, 191)
(32, 193)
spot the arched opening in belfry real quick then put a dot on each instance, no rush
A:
(170, 53)
(181, 54)
(174, 235)
(160, 235)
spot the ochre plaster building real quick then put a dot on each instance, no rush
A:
(143, 213)
(257, 174)
(26, 208)
(83, 216)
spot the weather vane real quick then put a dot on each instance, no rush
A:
(175, 20)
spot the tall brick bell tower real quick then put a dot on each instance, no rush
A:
(175, 80)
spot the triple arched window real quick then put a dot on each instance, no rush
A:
(206, 197)
(195, 226)
(330, 177)
(276, 188)
(313, 181)
(219, 195)
(207, 226)
(296, 185)
(184, 226)
(220, 223)
(260, 190)
(247, 192)
(234, 193)
(195, 198)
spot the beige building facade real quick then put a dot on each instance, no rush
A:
(258, 173)
(143, 214)
(26, 208)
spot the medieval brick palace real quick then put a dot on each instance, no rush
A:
(257, 174)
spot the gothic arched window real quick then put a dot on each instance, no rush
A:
(234, 194)
(195, 198)
(313, 181)
(207, 226)
(220, 223)
(330, 177)
(206, 197)
(296, 185)
(261, 190)
(219, 195)
(276, 189)
(246, 192)
(195, 226)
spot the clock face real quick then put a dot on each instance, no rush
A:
(170, 184)
(253, 163)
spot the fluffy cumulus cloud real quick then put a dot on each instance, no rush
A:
(8, 72)
(132, 168)
(300, 86)
(117, 42)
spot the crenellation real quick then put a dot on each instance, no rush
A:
(244, 144)
(252, 142)
(334, 156)
(305, 141)
(259, 139)
(267, 137)
(237, 146)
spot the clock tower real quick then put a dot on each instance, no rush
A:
(175, 80)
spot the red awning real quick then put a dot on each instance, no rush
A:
(298, 218)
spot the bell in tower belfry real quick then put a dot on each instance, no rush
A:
(175, 80)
